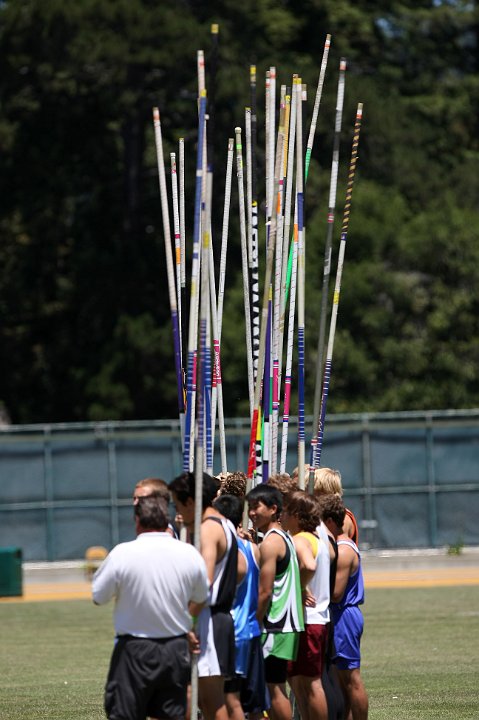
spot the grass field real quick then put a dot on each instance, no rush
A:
(421, 653)
(420, 656)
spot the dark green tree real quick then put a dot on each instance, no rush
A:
(85, 331)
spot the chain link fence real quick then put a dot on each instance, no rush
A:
(412, 479)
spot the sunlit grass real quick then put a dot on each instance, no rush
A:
(420, 653)
(420, 656)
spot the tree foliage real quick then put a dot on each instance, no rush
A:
(85, 331)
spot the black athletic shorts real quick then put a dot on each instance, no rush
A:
(275, 670)
(147, 677)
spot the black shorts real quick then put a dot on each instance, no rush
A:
(276, 670)
(147, 677)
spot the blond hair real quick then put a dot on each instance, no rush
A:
(327, 481)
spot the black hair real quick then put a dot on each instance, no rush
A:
(183, 487)
(231, 506)
(266, 494)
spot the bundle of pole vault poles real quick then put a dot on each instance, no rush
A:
(274, 299)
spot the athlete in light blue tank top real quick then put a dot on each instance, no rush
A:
(244, 609)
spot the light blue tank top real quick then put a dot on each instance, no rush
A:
(246, 600)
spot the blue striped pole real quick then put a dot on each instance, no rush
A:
(301, 281)
(195, 278)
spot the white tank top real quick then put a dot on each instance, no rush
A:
(319, 583)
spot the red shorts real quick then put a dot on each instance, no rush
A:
(311, 652)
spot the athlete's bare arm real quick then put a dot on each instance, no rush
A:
(213, 546)
(306, 559)
(271, 550)
(347, 564)
(242, 567)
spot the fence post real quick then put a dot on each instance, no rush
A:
(113, 485)
(431, 480)
(367, 501)
(48, 482)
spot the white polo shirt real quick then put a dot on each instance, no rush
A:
(152, 578)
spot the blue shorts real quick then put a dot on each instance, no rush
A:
(242, 653)
(348, 628)
(254, 694)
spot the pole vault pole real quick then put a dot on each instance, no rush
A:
(244, 261)
(287, 272)
(253, 260)
(194, 293)
(181, 203)
(176, 228)
(217, 314)
(292, 277)
(264, 326)
(169, 263)
(301, 280)
(317, 102)
(199, 279)
(339, 272)
(327, 265)
(277, 336)
(224, 234)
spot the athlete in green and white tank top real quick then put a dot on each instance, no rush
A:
(284, 618)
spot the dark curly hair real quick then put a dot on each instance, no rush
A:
(234, 484)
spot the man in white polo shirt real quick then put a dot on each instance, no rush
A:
(158, 584)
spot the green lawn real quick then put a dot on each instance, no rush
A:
(54, 660)
(421, 653)
(420, 656)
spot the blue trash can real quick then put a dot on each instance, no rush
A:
(11, 580)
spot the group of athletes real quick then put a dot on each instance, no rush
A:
(270, 612)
